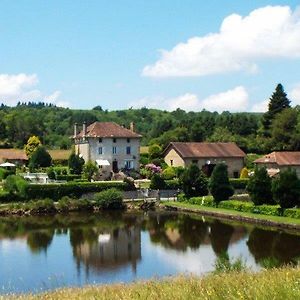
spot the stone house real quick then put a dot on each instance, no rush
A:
(111, 146)
(277, 161)
(206, 156)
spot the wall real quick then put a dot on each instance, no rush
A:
(177, 160)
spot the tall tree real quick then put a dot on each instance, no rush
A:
(278, 102)
(32, 144)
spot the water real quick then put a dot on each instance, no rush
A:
(40, 253)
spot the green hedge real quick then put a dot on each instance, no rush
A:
(237, 205)
(270, 210)
(204, 201)
(6, 197)
(292, 213)
(69, 177)
(172, 184)
(239, 183)
(56, 191)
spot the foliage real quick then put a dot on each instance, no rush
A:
(259, 187)
(109, 199)
(249, 160)
(286, 189)
(237, 205)
(153, 169)
(292, 213)
(4, 173)
(269, 210)
(169, 173)
(51, 173)
(75, 164)
(44, 206)
(89, 170)
(224, 265)
(155, 151)
(16, 185)
(40, 158)
(244, 173)
(219, 184)
(203, 201)
(194, 182)
(32, 144)
(239, 183)
(157, 182)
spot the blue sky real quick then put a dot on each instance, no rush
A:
(86, 53)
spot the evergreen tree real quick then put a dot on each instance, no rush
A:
(40, 158)
(278, 102)
(286, 189)
(259, 187)
(219, 184)
(89, 170)
(75, 163)
(194, 182)
(32, 144)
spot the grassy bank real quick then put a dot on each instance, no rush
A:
(238, 215)
(269, 284)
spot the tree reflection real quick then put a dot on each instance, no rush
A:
(40, 240)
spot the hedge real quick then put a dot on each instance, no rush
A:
(237, 205)
(6, 197)
(270, 210)
(172, 184)
(239, 183)
(56, 191)
(204, 201)
(292, 213)
(69, 177)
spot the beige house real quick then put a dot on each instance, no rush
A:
(206, 156)
(276, 161)
(111, 146)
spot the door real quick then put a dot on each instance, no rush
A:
(115, 166)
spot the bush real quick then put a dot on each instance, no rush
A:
(89, 170)
(169, 173)
(5, 173)
(259, 187)
(51, 174)
(292, 213)
(40, 206)
(179, 171)
(16, 185)
(6, 197)
(40, 158)
(244, 173)
(64, 204)
(75, 163)
(219, 184)
(286, 189)
(155, 151)
(144, 158)
(237, 205)
(157, 182)
(109, 199)
(173, 184)
(203, 201)
(270, 210)
(239, 183)
(194, 182)
(68, 177)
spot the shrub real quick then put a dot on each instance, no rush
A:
(109, 199)
(5, 173)
(286, 189)
(75, 163)
(239, 183)
(194, 182)
(68, 177)
(244, 173)
(40, 158)
(155, 151)
(144, 158)
(292, 213)
(64, 204)
(89, 170)
(32, 144)
(173, 184)
(41, 206)
(203, 201)
(219, 184)
(51, 174)
(16, 185)
(259, 187)
(237, 205)
(157, 182)
(179, 171)
(169, 173)
(270, 210)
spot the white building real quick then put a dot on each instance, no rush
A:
(111, 146)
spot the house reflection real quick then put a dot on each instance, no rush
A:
(109, 250)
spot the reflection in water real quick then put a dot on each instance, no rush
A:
(110, 247)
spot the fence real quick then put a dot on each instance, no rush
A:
(148, 194)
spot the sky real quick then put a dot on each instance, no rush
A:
(215, 55)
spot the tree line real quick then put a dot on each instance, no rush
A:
(277, 129)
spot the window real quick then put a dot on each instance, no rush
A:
(100, 151)
(100, 140)
(128, 150)
(128, 164)
(195, 161)
(236, 174)
(114, 150)
(171, 162)
(114, 140)
(128, 140)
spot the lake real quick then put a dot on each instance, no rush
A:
(46, 252)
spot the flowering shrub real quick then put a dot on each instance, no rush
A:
(153, 169)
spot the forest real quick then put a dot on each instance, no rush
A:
(277, 129)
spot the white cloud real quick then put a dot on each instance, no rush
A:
(22, 87)
(295, 95)
(268, 32)
(260, 106)
(233, 100)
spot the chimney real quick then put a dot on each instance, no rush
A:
(75, 130)
(84, 130)
(131, 126)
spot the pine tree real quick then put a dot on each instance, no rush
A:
(278, 102)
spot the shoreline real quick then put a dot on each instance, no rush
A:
(227, 214)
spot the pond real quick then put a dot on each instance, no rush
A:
(40, 253)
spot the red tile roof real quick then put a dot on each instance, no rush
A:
(198, 150)
(12, 154)
(108, 129)
(282, 158)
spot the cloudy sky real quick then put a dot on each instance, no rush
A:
(215, 55)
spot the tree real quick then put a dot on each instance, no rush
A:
(244, 173)
(75, 163)
(286, 189)
(89, 170)
(278, 102)
(259, 187)
(157, 182)
(16, 185)
(155, 151)
(40, 158)
(219, 184)
(194, 182)
(32, 144)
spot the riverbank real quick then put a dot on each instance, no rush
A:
(266, 220)
(268, 284)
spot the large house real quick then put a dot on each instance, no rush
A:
(276, 161)
(206, 156)
(111, 146)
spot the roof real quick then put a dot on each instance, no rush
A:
(199, 150)
(108, 129)
(282, 158)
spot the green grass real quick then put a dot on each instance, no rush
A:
(199, 208)
(269, 284)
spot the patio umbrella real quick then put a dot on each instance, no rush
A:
(7, 164)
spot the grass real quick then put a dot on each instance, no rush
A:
(199, 208)
(281, 283)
